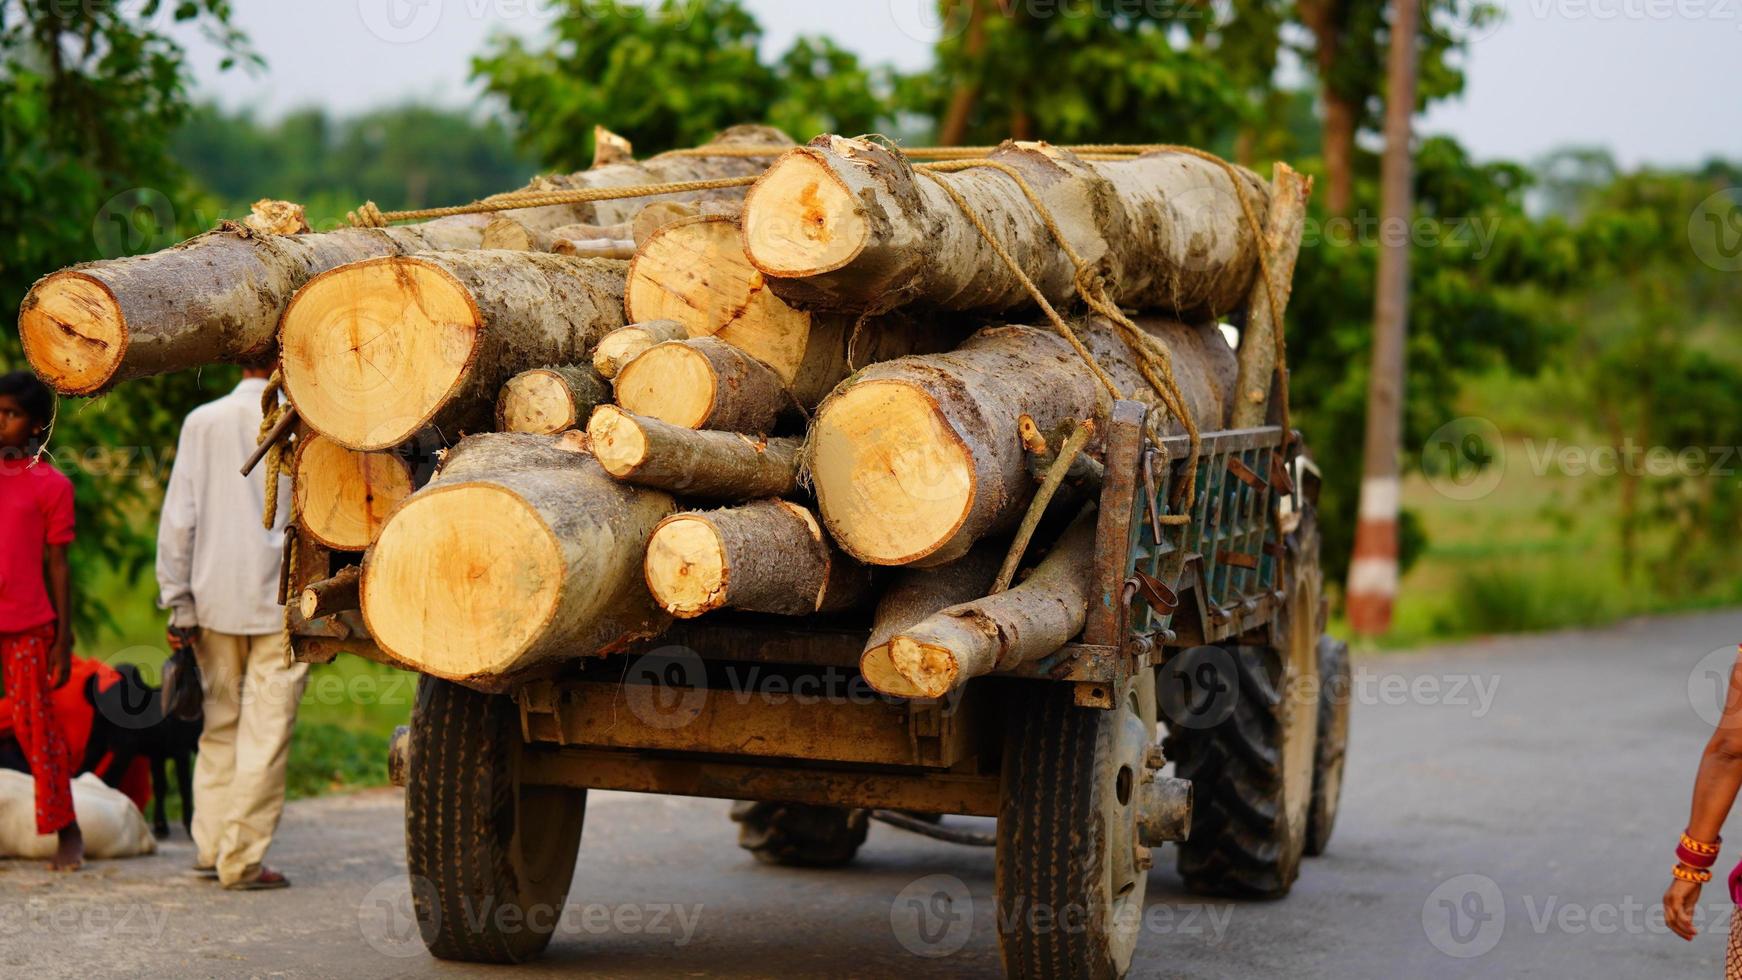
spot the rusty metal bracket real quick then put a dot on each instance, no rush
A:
(1239, 559)
(1160, 597)
(1245, 474)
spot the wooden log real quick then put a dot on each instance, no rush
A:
(502, 231)
(917, 593)
(945, 650)
(522, 550)
(1289, 191)
(656, 216)
(375, 351)
(332, 595)
(703, 383)
(594, 248)
(917, 458)
(694, 271)
(692, 462)
(219, 296)
(619, 347)
(342, 497)
(551, 399)
(767, 556)
(846, 224)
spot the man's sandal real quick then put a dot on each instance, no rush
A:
(267, 879)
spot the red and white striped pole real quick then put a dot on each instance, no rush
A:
(1373, 570)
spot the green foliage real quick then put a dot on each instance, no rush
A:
(88, 95)
(400, 157)
(671, 75)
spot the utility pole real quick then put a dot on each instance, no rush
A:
(1373, 573)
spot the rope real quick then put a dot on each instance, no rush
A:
(271, 410)
(1055, 475)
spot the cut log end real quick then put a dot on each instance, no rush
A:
(905, 668)
(74, 333)
(686, 566)
(893, 478)
(372, 349)
(483, 556)
(821, 230)
(539, 402)
(342, 497)
(617, 441)
(669, 382)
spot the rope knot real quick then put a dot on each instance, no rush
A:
(367, 216)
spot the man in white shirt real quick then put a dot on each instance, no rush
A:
(217, 574)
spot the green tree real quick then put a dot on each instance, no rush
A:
(670, 76)
(89, 93)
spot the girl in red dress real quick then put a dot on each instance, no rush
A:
(36, 633)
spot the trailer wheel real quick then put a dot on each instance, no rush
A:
(1071, 873)
(490, 857)
(1253, 765)
(800, 835)
(1333, 744)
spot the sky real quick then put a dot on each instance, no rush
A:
(1654, 81)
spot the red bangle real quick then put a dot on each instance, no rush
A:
(1693, 859)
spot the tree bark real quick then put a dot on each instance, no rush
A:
(694, 271)
(1289, 191)
(947, 649)
(849, 225)
(374, 351)
(767, 556)
(917, 593)
(505, 232)
(917, 458)
(619, 347)
(953, 131)
(1373, 571)
(219, 296)
(548, 400)
(521, 550)
(703, 383)
(332, 595)
(691, 462)
(1325, 19)
(342, 497)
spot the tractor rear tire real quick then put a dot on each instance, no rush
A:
(798, 835)
(1253, 764)
(1334, 704)
(490, 858)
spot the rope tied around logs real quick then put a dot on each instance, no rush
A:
(272, 411)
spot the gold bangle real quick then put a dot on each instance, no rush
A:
(1700, 846)
(1694, 875)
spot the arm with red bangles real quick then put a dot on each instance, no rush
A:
(1715, 787)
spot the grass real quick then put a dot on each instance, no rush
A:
(1542, 549)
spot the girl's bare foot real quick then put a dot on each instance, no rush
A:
(70, 855)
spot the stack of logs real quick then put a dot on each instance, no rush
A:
(831, 394)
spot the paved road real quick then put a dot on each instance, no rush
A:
(1510, 810)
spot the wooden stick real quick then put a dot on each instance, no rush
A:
(332, 595)
(279, 428)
